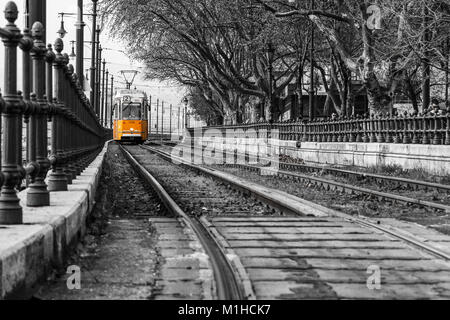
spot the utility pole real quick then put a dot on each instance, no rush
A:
(186, 103)
(112, 101)
(105, 120)
(102, 105)
(150, 117)
(170, 121)
(94, 52)
(157, 117)
(178, 130)
(80, 44)
(311, 60)
(162, 120)
(98, 75)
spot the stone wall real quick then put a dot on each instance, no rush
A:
(434, 159)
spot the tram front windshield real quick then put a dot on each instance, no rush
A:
(131, 111)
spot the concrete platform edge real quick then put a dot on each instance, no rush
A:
(30, 251)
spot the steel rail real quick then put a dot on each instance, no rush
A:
(344, 186)
(274, 203)
(338, 185)
(392, 231)
(406, 181)
(227, 283)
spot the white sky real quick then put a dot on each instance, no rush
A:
(116, 61)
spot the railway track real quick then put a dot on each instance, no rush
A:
(272, 249)
(388, 181)
(328, 184)
(397, 181)
(227, 285)
(391, 185)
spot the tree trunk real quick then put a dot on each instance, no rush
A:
(350, 102)
(412, 95)
(426, 82)
(220, 120)
(377, 96)
(327, 106)
(267, 110)
(299, 111)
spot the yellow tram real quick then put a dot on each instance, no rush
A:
(130, 116)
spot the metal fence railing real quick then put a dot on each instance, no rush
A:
(406, 129)
(50, 93)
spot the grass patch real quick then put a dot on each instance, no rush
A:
(414, 174)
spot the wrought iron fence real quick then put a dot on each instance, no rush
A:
(406, 129)
(52, 93)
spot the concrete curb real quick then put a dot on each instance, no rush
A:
(28, 252)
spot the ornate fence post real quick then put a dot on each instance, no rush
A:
(326, 130)
(70, 130)
(373, 137)
(297, 131)
(388, 128)
(10, 209)
(292, 125)
(291, 130)
(32, 166)
(38, 194)
(366, 124)
(76, 94)
(339, 134)
(2, 108)
(447, 135)
(353, 123)
(281, 129)
(406, 138)
(26, 44)
(305, 132)
(436, 135)
(425, 138)
(359, 129)
(319, 128)
(334, 131)
(380, 129)
(57, 180)
(312, 130)
(396, 130)
(415, 139)
(49, 59)
(345, 130)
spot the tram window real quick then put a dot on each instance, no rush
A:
(116, 112)
(131, 111)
